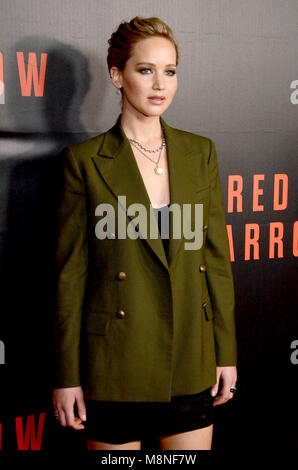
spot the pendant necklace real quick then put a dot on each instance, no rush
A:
(158, 170)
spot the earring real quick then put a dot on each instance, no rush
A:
(118, 92)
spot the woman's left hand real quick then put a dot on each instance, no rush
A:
(228, 375)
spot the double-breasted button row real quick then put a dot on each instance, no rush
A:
(202, 268)
(121, 275)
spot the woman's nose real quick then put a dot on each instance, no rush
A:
(159, 81)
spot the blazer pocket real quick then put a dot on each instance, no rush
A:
(207, 309)
(97, 322)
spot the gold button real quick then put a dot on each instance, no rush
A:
(204, 304)
(205, 227)
(121, 275)
(202, 268)
(120, 314)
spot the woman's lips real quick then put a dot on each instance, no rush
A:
(156, 100)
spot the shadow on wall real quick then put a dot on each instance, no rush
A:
(42, 126)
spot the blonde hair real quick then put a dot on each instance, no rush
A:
(128, 34)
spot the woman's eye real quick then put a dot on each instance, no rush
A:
(172, 71)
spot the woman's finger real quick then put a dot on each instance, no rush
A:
(61, 417)
(71, 420)
(81, 408)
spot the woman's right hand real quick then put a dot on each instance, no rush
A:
(64, 400)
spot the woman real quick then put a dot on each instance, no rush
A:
(145, 331)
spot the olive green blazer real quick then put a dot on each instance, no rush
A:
(130, 324)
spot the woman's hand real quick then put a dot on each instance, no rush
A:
(64, 400)
(228, 375)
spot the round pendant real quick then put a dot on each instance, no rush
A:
(158, 170)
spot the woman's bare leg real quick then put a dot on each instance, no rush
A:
(98, 445)
(199, 439)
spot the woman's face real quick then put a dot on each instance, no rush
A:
(149, 72)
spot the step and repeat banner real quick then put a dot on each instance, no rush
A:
(238, 85)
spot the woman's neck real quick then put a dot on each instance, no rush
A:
(143, 129)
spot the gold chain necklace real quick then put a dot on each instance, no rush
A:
(158, 170)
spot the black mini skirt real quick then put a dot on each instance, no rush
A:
(121, 422)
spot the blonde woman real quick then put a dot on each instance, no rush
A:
(144, 329)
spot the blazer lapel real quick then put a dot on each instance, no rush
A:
(185, 182)
(116, 164)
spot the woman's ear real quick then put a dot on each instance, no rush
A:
(116, 77)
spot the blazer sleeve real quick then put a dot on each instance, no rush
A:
(219, 271)
(71, 259)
